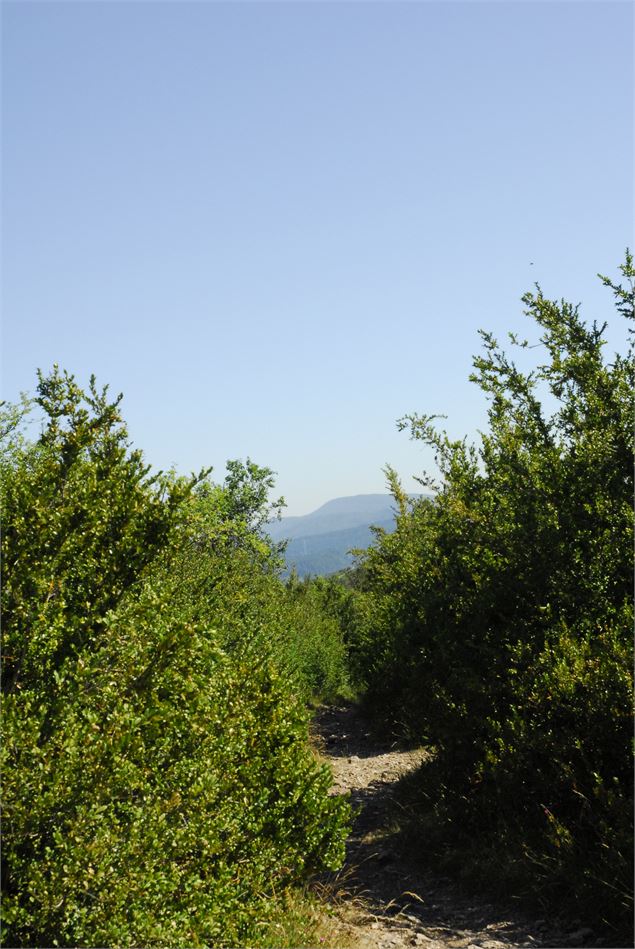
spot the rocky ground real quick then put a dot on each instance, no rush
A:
(382, 897)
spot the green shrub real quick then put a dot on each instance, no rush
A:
(313, 641)
(158, 787)
(500, 625)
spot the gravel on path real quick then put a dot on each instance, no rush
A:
(382, 899)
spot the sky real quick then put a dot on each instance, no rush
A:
(278, 227)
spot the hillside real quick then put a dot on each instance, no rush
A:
(319, 543)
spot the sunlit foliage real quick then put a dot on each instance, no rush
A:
(158, 788)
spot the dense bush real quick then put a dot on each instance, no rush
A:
(288, 620)
(333, 609)
(313, 642)
(158, 788)
(501, 619)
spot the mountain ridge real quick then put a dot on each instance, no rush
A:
(319, 543)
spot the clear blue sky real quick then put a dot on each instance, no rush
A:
(277, 227)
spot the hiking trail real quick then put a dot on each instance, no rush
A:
(382, 898)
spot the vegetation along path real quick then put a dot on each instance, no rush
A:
(383, 897)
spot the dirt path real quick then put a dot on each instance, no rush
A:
(381, 897)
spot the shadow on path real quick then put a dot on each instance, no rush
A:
(342, 731)
(404, 903)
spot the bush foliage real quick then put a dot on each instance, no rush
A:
(158, 787)
(500, 619)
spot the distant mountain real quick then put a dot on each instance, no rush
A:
(319, 543)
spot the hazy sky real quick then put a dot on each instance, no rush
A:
(277, 227)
